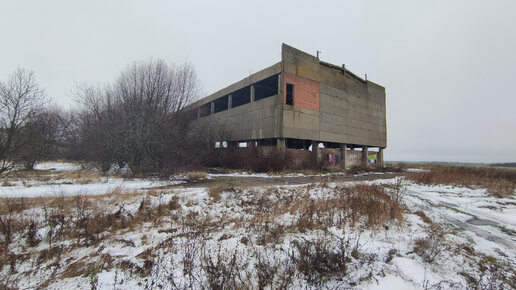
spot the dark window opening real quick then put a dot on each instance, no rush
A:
(295, 143)
(290, 94)
(332, 145)
(266, 88)
(205, 110)
(241, 97)
(221, 104)
(267, 142)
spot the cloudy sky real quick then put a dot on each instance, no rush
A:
(448, 66)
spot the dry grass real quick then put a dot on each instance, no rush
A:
(91, 222)
(423, 216)
(371, 202)
(196, 176)
(499, 182)
(215, 190)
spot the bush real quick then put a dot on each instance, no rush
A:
(318, 259)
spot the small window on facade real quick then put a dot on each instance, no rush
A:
(290, 94)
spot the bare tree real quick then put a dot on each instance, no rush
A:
(130, 123)
(44, 132)
(20, 100)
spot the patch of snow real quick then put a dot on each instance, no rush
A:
(58, 166)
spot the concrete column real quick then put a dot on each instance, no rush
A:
(315, 151)
(380, 157)
(252, 93)
(212, 108)
(230, 102)
(198, 112)
(364, 156)
(343, 155)
(280, 143)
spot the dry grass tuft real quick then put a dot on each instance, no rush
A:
(424, 217)
(196, 176)
(499, 182)
(370, 202)
(215, 190)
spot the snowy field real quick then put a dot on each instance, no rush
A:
(74, 229)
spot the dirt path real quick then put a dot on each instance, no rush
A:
(290, 180)
(477, 224)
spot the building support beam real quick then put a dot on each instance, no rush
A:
(343, 156)
(230, 101)
(380, 157)
(212, 108)
(280, 143)
(315, 151)
(252, 93)
(364, 156)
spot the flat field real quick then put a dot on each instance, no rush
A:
(65, 227)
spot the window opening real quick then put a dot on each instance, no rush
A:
(290, 94)
(266, 88)
(241, 97)
(221, 104)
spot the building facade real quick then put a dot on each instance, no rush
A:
(302, 102)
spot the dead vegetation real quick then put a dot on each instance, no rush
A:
(499, 182)
(52, 227)
(227, 237)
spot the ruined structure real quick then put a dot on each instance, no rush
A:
(303, 101)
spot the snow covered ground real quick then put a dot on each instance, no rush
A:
(112, 233)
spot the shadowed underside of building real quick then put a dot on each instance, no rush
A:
(300, 103)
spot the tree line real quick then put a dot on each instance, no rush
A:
(139, 121)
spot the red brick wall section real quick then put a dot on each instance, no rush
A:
(306, 92)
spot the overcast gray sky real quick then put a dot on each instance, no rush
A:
(448, 66)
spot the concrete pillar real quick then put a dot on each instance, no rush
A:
(364, 156)
(230, 102)
(280, 143)
(380, 157)
(343, 155)
(212, 107)
(315, 151)
(252, 93)
(198, 112)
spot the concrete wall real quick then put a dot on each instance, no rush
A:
(255, 120)
(351, 110)
(330, 105)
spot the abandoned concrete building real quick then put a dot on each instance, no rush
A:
(303, 103)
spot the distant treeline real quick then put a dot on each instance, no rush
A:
(509, 164)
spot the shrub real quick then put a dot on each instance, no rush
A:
(430, 247)
(318, 259)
